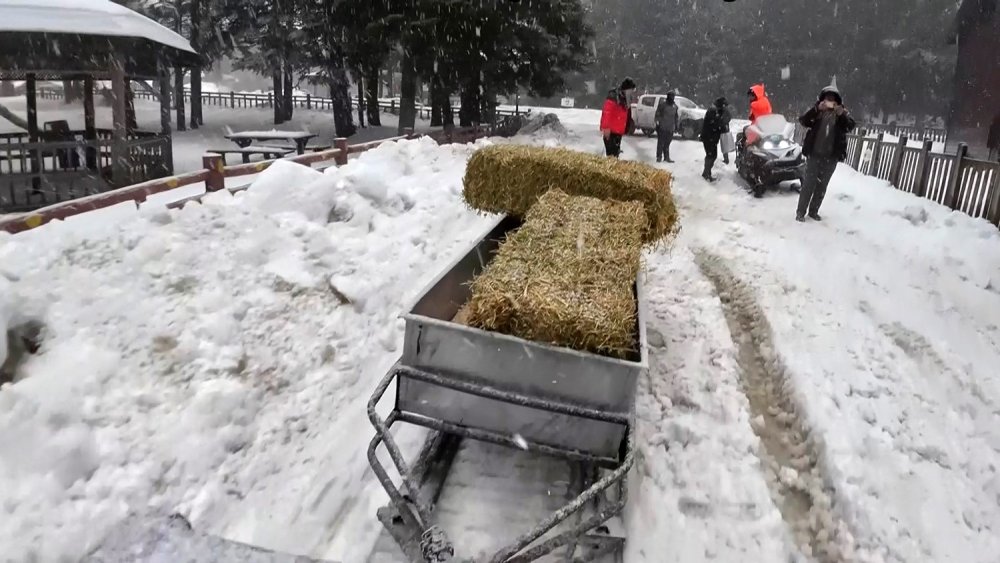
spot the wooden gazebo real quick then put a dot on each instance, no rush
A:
(88, 41)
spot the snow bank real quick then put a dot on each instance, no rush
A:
(189, 354)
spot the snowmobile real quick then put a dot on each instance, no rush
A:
(767, 154)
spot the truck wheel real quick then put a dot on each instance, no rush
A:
(648, 132)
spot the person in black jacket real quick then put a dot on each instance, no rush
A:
(712, 129)
(825, 145)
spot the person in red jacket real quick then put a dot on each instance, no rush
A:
(759, 104)
(614, 117)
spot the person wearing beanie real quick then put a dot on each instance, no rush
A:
(614, 117)
(711, 132)
(828, 123)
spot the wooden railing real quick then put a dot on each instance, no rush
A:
(954, 180)
(39, 174)
(214, 174)
(239, 100)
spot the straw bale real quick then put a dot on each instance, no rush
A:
(566, 277)
(510, 179)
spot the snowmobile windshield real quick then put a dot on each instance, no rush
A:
(773, 125)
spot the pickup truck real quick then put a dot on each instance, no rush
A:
(689, 113)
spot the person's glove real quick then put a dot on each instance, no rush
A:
(841, 110)
(605, 133)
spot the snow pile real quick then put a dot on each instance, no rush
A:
(188, 354)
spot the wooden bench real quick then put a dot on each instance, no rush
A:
(247, 152)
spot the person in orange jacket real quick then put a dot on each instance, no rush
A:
(759, 107)
(614, 117)
(759, 104)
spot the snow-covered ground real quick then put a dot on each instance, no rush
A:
(820, 391)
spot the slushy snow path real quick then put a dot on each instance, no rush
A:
(819, 391)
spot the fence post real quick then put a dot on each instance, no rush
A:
(876, 155)
(897, 161)
(341, 144)
(952, 191)
(923, 165)
(216, 172)
(232, 100)
(270, 100)
(993, 209)
(309, 101)
(392, 106)
(861, 149)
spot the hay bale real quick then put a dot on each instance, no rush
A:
(511, 178)
(566, 276)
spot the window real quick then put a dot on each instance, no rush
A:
(649, 101)
(685, 103)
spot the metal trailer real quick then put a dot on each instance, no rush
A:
(461, 382)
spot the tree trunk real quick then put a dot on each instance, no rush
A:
(469, 112)
(196, 115)
(371, 104)
(179, 94)
(130, 121)
(437, 108)
(407, 94)
(361, 102)
(12, 117)
(391, 72)
(289, 92)
(341, 98)
(277, 98)
(69, 94)
(447, 113)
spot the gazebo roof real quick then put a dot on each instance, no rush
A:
(56, 37)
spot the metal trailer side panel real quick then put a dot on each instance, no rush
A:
(433, 343)
(599, 438)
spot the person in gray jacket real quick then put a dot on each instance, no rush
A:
(666, 125)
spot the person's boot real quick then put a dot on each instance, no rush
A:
(815, 216)
(667, 157)
(707, 174)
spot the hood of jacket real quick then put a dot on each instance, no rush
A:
(758, 90)
(831, 90)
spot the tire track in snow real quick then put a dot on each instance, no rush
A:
(794, 472)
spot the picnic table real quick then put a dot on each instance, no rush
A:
(244, 139)
(248, 151)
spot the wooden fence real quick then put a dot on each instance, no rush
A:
(214, 174)
(955, 180)
(239, 100)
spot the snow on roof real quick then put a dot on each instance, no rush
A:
(84, 17)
